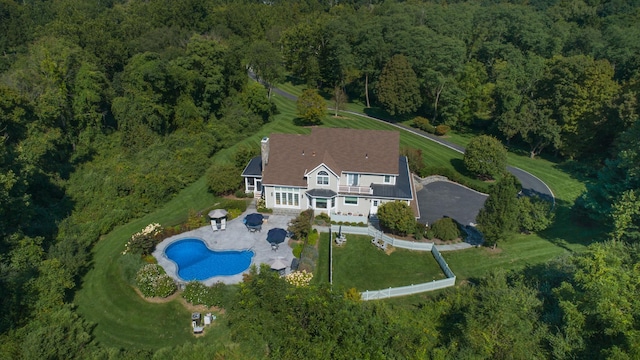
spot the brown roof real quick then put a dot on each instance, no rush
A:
(291, 156)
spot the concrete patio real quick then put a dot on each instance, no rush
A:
(235, 237)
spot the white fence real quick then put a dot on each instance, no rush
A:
(411, 245)
(407, 290)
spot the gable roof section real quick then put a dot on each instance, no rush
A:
(291, 156)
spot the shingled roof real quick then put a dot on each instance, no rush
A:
(291, 156)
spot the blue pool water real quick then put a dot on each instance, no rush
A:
(196, 262)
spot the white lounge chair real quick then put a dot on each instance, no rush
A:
(214, 225)
(223, 224)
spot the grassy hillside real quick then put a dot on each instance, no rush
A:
(125, 320)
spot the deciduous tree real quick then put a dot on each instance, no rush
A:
(486, 157)
(311, 107)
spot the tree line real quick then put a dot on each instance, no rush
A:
(108, 108)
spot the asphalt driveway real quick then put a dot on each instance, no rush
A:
(442, 198)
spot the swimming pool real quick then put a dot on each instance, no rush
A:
(196, 261)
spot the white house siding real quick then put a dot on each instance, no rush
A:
(270, 198)
(312, 179)
(363, 206)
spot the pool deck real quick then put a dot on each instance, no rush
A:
(235, 237)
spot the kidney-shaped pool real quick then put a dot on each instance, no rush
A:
(196, 261)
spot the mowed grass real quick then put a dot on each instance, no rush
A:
(359, 264)
(124, 320)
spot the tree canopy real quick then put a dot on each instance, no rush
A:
(486, 157)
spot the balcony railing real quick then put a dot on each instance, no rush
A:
(349, 189)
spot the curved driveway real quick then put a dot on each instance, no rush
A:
(531, 185)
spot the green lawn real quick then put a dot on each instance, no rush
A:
(124, 320)
(358, 264)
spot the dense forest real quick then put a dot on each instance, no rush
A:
(109, 108)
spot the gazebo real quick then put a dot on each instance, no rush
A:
(215, 215)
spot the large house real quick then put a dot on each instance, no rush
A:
(345, 173)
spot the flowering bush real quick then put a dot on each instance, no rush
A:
(197, 293)
(153, 282)
(299, 278)
(143, 241)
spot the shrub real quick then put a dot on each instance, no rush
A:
(153, 282)
(197, 293)
(397, 217)
(323, 219)
(195, 220)
(419, 231)
(313, 238)
(414, 158)
(300, 278)
(297, 250)
(241, 194)
(262, 206)
(301, 225)
(223, 179)
(423, 124)
(534, 214)
(442, 130)
(445, 229)
(144, 241)
(233, 213)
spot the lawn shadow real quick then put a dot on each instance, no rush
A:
(580, 171)
(568, 230)
(384, 115)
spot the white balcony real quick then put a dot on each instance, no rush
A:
(349, 189)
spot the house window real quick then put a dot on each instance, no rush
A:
(352, 179)
(387, 179)
(322, 178)
(351, 200)
(287, 196)
(321, 203)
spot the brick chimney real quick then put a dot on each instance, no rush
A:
(264, 151)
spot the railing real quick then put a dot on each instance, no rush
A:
(411, 245)
(350, 189)
(408, 290)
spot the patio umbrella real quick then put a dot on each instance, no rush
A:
(276, 236)
(253, 219)
(278, 265)
(340, 231)
(217, 213)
